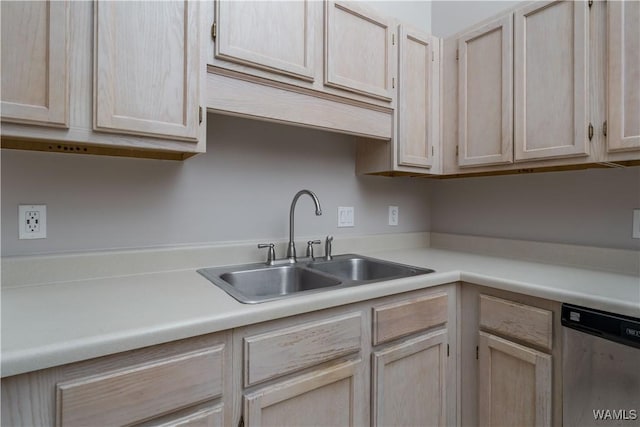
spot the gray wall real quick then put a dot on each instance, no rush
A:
(590, 207)
(416, 13)
(240, 189)
(449, 17)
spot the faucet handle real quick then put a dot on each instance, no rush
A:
(310, 244)
(271, 255)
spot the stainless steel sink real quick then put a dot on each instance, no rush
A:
(360, 269)
(254, 283)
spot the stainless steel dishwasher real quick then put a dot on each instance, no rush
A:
(601, 368)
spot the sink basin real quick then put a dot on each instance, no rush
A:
(365, 269)
(260, 283)
(277, 281)
(254, 283)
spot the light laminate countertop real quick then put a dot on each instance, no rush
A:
(54, 324)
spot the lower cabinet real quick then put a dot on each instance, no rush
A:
(514, 378)
(329, 396)
(392, 361)
(177, 384)
(410, 382)
(515, 384)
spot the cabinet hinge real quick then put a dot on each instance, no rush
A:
(393, 39)
(241, 422)
(393, 82)
(432, 151)
(433, 56)
(477, 353)
(590, 3)
(604, 128)
(214, 30)
(447, 350)
(199, 114)
(590, 130)
(456, 150)
(457, 54)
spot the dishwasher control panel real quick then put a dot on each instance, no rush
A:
(614, 327)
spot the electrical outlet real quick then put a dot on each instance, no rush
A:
(393, 215)
(345, 216)
(636, 224)
(32, 221)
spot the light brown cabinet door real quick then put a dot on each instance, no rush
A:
(35, 62)
(551, 68)
(330, 396)
(146, 68)
(485, 91)
(358, 50)
(277, 36)
(415, 96)
(514, 384)
(409, 382)
(623, 122)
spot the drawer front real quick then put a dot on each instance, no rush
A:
(398, 319)
(282, 351)
(141, 391)
(530, 324)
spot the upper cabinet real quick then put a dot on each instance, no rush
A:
(415, 93)
(416, 145)
(485, 94)
(277, 36)
(551, 69)
(325, 65)
(146, 72)
(358, 50)
(35, 62)
(103, 77)
(526, 90)
(623, 122)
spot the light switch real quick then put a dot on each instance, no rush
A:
(345, 216)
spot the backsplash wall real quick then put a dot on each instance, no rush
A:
(591, 207)
(241, 189)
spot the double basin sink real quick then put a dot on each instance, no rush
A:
(254, 283)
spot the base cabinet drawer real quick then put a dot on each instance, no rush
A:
(137, 393)
(395, 320)
(530, 324)
(182, 383)
(279, 352)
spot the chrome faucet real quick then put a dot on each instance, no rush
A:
(291, 249)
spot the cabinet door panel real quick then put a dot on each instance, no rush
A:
(398, 401)
(332, 396)
(485, 91)
(274, 35)
(515, 384)
(551, 80)
(146, 73)
(624, 76)
(357, 50)
(416, 54)
(35, 72)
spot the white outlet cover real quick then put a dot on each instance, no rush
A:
(345, 216)
(636, 224)
(393, 215)
(32, 221)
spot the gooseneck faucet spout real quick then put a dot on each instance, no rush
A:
(291, 249)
